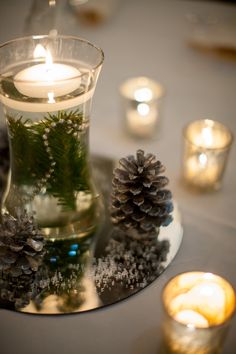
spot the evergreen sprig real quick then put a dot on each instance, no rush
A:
(51, 153)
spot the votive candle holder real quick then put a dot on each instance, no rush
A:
(198, 310)
(142, 101)
(206, 148)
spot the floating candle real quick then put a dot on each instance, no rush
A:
(47, 79)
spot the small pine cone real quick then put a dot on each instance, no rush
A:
(21, 245)
(140, 204)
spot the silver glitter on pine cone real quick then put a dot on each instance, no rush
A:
(140, 202)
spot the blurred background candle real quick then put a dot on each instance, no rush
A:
(142, 104)
(94, 12)
(206, 148)
(198, 308)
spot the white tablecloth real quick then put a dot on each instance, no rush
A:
(145, 38)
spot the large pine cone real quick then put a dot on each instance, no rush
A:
(140, 202)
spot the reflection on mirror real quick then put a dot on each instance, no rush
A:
(78, 275)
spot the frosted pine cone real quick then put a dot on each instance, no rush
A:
(21, 254)
(21, 245)
(140, 202)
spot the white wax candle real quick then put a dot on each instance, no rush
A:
(47, 81)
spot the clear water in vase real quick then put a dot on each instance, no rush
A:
(50, 168)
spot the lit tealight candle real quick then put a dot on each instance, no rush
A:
(47, 80)
(199, 306)
(207, 144)
(142, 105)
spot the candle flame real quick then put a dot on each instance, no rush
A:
(207, 136)
(40, 51)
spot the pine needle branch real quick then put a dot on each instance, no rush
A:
(51, 154)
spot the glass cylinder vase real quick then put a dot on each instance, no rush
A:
(47, 84)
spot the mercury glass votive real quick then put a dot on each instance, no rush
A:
(206, 147)
(142, 106)
(198, 309)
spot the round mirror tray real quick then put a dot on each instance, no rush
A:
(82, 275)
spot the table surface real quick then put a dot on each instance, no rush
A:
(145, 38)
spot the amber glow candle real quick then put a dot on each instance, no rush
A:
(142, 103)
(206, 147)
(198, 309)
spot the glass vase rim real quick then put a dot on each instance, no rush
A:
(63, 37)
(223, 126)
(212, 326)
